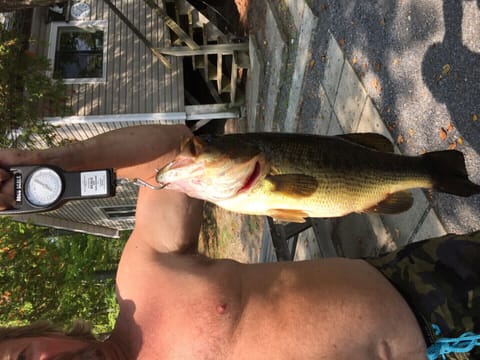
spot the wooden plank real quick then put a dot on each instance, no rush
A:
(224, 49)
(99, 10)
(281, 233)
(81, 99)
(242, 59)
(93, 10)
(98, 88)
(67, 13)
(219, 72)
(38, 31)
(133, 70)
(233, 80)
(190, 98)
(143, 62)
(75, 88)
(124, 47)
(325, 245)
(116, 78)
(96, 99)
(72, 225)
(205, 56)
(212, 111)
(172, 24)
(132, 27)
(279, 241)
(157, 34)
(190, 32)
(164, 73)
(112, 62)
(190, 22)
(87, 98)
(172, 94)
(149, 69)
(211, 88)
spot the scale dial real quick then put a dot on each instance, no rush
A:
(43, 187)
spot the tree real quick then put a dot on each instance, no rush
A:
(60, 278)
(12, 5)
(27, 93)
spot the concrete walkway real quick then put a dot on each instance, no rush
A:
(302, 80)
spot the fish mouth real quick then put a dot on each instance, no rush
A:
(251, 179)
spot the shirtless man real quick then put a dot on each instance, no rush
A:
(178, 304)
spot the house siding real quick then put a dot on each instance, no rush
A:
(90, 211)
(136, 81)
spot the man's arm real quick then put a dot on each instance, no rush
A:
(123, 149)
(165, 220)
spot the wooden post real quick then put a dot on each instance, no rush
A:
(173, 25)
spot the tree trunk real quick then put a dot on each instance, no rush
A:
(12, 5)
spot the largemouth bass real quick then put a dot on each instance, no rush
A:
(293, 176)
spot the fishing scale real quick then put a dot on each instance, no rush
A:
(41, 188)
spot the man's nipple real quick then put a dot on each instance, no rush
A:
(221, 308)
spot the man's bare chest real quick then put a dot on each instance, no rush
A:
(183, 316)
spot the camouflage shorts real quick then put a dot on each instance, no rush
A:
(440, 280)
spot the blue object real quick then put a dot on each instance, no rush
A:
(443, 346)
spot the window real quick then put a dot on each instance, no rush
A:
(119, 212)
(78, 52)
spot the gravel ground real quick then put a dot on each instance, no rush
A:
(420, 62)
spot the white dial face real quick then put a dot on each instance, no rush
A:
(80, 10)
(43, 187)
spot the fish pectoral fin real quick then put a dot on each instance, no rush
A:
(371, 140)
(297, 216)
(296, 185)
(394, 204)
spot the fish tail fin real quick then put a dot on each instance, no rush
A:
(449, 174)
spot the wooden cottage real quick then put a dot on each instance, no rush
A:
(125, 64)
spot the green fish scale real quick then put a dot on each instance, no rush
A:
(337, 163)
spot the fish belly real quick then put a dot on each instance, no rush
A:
(331, 200)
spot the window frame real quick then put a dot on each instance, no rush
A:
(52, 44)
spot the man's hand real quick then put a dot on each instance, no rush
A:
(9, 158)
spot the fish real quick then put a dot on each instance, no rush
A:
(291, 177)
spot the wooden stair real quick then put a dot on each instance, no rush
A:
(220, 59)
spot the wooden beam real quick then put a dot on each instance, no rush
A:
(223, 49)
(172, 25)
(280, 234)
(212, 111)
(141, 36)
(59, 223)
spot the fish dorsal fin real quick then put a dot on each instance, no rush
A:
(371, 140)
(297, 216)
(296, 185)
(394, 204)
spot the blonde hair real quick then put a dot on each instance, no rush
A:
(79, 329)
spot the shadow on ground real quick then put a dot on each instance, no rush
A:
(451, 72)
